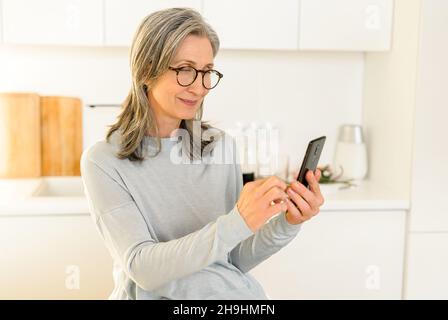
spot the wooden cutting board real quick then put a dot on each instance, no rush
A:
(61, 135)
(20, 143)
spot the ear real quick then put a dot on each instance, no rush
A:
(148, 84)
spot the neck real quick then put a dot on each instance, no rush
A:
(166, 129)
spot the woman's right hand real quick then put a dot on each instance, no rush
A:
(256, 198)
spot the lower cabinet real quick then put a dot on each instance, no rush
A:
(340, 255)
(336, 255)
(53, 257)
(426, 275)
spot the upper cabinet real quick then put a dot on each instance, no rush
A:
(254, 24)
(348, 25)
(328, 25)
(65, 22)
(123, 17)
(1, 23)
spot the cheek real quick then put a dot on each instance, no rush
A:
(165, 93)
(172, 90)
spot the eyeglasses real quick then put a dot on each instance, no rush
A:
(187, 75)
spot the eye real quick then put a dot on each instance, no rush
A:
(186, 68)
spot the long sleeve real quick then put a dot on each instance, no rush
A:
(268, 240)
(148, 262)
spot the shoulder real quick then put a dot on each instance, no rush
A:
(224, 149)
(102, 153)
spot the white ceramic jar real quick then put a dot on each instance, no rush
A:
(350, 158)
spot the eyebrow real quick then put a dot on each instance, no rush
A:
(193, 63)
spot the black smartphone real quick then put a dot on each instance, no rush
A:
(311, 158)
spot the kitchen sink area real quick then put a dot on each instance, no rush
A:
(60, 195)
(50, 195)
(59, 187)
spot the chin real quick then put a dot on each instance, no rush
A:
(186, 116)
(189, 114)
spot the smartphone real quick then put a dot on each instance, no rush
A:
(311, 158)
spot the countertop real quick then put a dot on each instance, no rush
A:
(18, 198)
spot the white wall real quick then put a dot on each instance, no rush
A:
(305, 94)
(430, 154)
(427, 250)
(389, 101)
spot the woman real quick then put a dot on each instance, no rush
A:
(179, 229)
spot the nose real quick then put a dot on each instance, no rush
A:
(196, 87)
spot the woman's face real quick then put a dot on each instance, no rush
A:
(170, 101)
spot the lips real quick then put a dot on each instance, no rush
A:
(188, 102)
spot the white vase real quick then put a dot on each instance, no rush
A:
(351, 153)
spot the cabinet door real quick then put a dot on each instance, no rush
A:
(427, 265)
(339, 255)
(349, 25)
(429, 175)
(66, 22)
(123, 17)
(1, 22)
(254, 24)
(53, 257)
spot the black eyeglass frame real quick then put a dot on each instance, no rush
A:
(177, 70)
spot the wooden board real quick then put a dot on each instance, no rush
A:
(20, 141)
(61, 134)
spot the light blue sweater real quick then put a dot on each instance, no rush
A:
(173, 230)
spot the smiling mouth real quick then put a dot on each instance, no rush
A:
(189, 102)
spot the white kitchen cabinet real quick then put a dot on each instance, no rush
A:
(340, 255)
(345, 25)
(1, 22)
(404, 109)
(254, 24)
(60, 22)
(427, 258)
(123, 17)
(53, 257)
(426, 274)
(430, 155)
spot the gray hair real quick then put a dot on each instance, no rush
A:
(153, 48)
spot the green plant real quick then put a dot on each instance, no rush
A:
(329, 176)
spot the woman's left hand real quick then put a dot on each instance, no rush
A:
(304, 203)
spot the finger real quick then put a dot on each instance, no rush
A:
(312, 181)
(315, 188)
(294, 211)
(274, 194)
(278, 201)
(318, 175)
(277, 208)
(306, 194)
(300, 203)
(256, 183)
(269, 183)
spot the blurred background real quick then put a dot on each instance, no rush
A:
(370, 75)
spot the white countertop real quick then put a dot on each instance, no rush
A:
(366, 196)
(17, 198)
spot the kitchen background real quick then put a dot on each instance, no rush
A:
(317, 65)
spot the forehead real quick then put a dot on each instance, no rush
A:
(195, 49)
